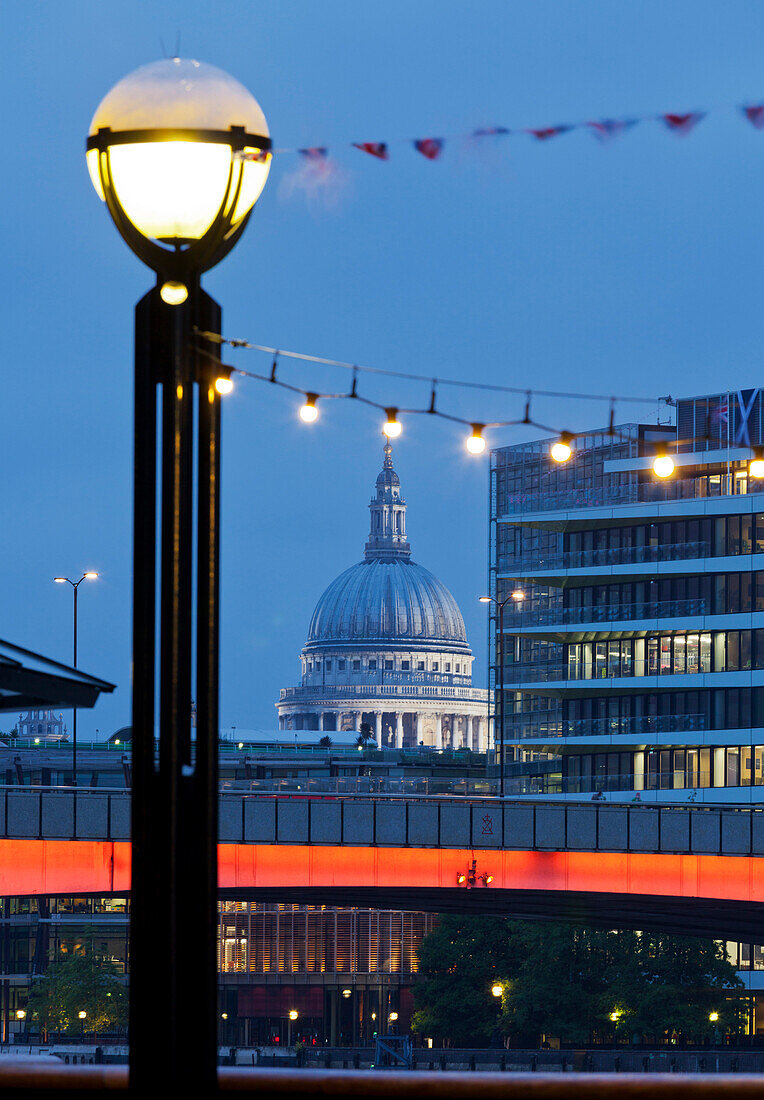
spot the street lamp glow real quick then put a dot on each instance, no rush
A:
(347, 993)
(393, 1017)
(392, 426)
(562, 450)
(178, 145)
(308, 411)
(223, 385)
(20, 1014)
(486, 599)
(173, 292)
(475, 442)
(91, 576)
(518, 595)
(293, 1014)
(663, 465)
(82, 1015)
(713, 1017)
(60, 580)
(497, 989)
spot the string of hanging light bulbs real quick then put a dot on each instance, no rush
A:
(560, 451)
(475, 442)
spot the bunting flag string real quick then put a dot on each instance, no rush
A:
(603, 129)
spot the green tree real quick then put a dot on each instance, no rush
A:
(80, 980)
(325, 742)
(458, 963)
(575, 983)
(571, 983)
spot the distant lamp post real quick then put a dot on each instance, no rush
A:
(517, 596)
(179, 151)
(497, 989)
(89, 576)
(293, 1014)
(562, 449)
(713, 1017)
(21, 1014)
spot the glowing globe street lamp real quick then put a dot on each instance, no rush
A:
(179, 151)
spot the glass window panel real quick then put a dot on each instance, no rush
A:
(758, 765)
(746, 526)
(665, 665)
(705, 652)
(745, 766)
(680, 655)
(693, 652)
(745, 649)
(746, 591)
(652, 656)
(679, 762)
(733, 650)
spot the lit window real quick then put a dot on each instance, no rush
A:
(434, 666)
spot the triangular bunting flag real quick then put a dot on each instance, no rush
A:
(429, 147)
(318, 152)
(492, 131)
(374, 148)
(755, 116)
(682, 124)
(607, 128)
(549, 132)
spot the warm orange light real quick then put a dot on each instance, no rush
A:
(756, 465)
(60, 580)
(91, 576)
(485, 599)
(293, 1014)
(497, 989)
(392, 426)
(223, 385)
(663, 465)
(562, 450)
(308, 411)
(518, 595)
(475, 443)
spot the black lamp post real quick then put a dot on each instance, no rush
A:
(180, 153)
(90, 576)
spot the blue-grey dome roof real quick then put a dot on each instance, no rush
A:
(387, 601)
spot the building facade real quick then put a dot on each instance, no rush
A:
(41, 725)
(387, 647)
(633, 644)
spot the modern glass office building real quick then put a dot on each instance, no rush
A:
(633, 641)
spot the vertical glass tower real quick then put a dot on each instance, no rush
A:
(633, 646)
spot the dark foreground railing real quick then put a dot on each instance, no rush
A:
(72, 1081)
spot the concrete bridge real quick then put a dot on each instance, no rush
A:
(691, 869)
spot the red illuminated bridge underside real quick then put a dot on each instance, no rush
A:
(693, 893)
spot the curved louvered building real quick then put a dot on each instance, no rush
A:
(387, 647)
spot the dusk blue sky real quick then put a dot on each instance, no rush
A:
(632, 268)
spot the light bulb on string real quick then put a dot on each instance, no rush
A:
(756, 465)
(562, 450)
(308, 411)
(663, 465)
(392, 426)
(475, 443)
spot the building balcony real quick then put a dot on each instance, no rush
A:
(549, 725)
(648, 491)
(364, 690)
(655, 609)
(510, 566)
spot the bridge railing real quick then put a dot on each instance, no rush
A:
(463, 822)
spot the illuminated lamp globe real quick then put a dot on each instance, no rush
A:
(562, 450)
(756, 465)
(180, 152)
(308, 411)
(223, 385)
(713, 1017)
(392, 426)
(475, 442)
(663, 465)
(497, 990)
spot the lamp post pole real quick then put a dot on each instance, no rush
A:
(75, 586)
(179, 151)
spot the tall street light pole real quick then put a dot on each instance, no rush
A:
(89, 576)
(180, 153)
(517, 597)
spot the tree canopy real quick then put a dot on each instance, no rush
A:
(80, 980)
(571, 983)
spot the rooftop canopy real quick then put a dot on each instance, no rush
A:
(28, 681)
